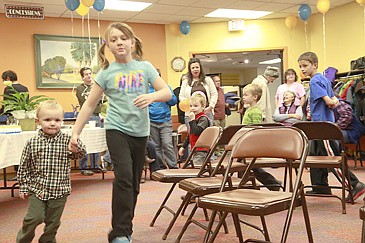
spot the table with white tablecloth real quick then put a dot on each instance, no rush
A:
(12, 144)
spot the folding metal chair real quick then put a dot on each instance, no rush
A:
(285, 143)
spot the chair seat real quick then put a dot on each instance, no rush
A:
(247, 201)
(320, 161)
(174, 175)
(205, 185)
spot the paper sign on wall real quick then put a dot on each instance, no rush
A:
(23, 12)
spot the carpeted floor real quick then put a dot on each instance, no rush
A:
(87, 216)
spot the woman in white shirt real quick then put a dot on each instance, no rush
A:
(195, 80)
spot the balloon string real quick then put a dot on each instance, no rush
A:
(99, 28)
(305, 32)
(364, 23)
(83, 43)
(324, 39)
(72, 24)
(89, 32)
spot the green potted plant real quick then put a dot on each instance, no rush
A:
(22, 107)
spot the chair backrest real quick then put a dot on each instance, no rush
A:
(182, 128)
(286, 143)
(208, 137)
(272, 124)
(236, 137)
(227, 133)
(207, 140)
(182, 132)
(320, 130)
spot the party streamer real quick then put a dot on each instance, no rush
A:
(89, 32)
(83, 43)
(305, 32)
(324, 39)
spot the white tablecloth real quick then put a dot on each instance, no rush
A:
(11, 145)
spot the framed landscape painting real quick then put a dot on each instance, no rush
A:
(60, 58)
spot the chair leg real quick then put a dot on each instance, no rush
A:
(187, 223)
(220, 223)
(237, 226)
(210, 225)
(363, 232)
(306, 217)
(224, 224)
(184, 208)
(163, 205)
(176, 215)
(206, 214)
(264, 228)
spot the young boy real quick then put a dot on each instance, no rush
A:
(253, 115)
(44, 174)
(198, 122)
(251, 95)
(322, 101)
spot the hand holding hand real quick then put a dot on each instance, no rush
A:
(73, 145)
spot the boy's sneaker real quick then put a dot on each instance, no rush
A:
(87, 173)
(357, 192)
(122, 239)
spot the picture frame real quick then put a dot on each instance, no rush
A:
(59, 58)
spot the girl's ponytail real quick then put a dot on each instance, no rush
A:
(138, 53)
(103, 61)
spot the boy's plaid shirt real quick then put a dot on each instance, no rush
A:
(45, 165)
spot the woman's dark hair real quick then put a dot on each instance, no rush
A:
(290, 70)
(9, 74)
(189, 75)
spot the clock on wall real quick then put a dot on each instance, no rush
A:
(178, 64)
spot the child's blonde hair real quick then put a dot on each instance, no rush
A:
(254, 89)
(48, 105)
(127, 30)
(199, 97)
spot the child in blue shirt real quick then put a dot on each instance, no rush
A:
(322, 101)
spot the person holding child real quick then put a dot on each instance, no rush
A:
(44, 174)
(198, 121)
(253, 115)
(125, 82)
(288, 113)
(322, 101)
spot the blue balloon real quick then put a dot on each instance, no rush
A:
(99, 5)
(184, 27)
(72, 4)
(304, 12)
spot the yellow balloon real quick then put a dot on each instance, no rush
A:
(323, 6)
(82, 10)
(88, 3)
(291, 21)
(184, 105)
(174, 29)
(361, 2)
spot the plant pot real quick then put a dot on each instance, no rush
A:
(27, 124)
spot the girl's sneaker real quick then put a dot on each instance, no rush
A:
(122, 239)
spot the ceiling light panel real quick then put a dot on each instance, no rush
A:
(237, 14)
(119, 5)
